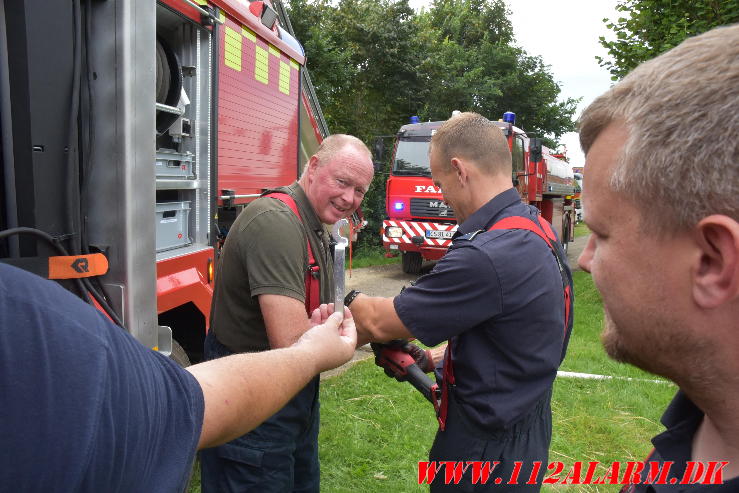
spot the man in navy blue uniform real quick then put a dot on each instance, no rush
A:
(661, 197)
(85, 407)
(498, 297)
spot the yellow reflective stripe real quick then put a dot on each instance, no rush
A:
(274, 51)
(201, 2)
(261, 65)
(248, 33)
(222, 15)
(232, 51)
(294, 64)
(284, 77)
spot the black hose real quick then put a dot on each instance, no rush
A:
(89, 145)
(96, 287)
(72, 177)
(103, 302)
(83, 285)
(54, 243)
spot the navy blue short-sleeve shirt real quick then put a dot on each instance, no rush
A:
(499, 298)
(86, 407)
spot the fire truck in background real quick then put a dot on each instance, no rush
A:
(420, 224)
(579, 213)
(133, 132)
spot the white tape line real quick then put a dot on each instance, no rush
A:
(593, 376)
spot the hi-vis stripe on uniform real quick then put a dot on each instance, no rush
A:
(233, 54)
(415, 228)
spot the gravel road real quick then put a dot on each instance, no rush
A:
(386, 280)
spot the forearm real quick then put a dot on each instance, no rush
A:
(377, 320)
(243, 390)
(284, 319)
(437, 353)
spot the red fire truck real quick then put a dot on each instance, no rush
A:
(420, 224)
(133, 132)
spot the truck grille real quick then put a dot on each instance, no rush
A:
(431, 208)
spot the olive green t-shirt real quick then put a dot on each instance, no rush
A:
(265, 253)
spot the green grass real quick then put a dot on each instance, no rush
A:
(369, 256)
(374, 430)
(581, 229)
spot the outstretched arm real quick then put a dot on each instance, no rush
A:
(377, 320)
(242, 390)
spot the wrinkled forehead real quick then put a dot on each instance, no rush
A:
(353, 166)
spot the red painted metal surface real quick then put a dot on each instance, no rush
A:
(547, 211)
(257, 122)
(185, 9)
(311, 116)
(239, 11)
(184, 279)
(405, 188)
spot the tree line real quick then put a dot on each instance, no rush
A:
(374, 63)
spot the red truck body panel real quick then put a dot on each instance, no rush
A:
(258, 101)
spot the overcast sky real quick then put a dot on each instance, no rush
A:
(565, 34)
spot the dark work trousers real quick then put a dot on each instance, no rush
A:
(280, 455)
(526, 441)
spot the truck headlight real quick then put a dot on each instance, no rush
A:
(394, 232)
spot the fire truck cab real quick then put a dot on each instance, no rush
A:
(420, 224)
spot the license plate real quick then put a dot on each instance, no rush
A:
(435, 233)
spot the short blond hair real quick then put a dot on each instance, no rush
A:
(474, 137)
(679, 163)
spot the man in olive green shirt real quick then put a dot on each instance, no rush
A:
(259, 304)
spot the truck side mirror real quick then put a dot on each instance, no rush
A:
(378, 154)
(535, 151)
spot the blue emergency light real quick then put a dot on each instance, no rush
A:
(509, 117)
(398, 206)
(414, 119)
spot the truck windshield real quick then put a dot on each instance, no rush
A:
(412, 158)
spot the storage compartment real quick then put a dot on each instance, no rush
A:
(172, 225)
(171, 164)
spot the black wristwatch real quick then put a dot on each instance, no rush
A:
(350, 296)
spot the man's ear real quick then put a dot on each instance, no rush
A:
(716, 275)
(459, 167)
(312, 165)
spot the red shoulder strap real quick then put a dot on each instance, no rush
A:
(513, 222)
(545, 232)
(312, 278)
(447, 379)
(517, 222)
